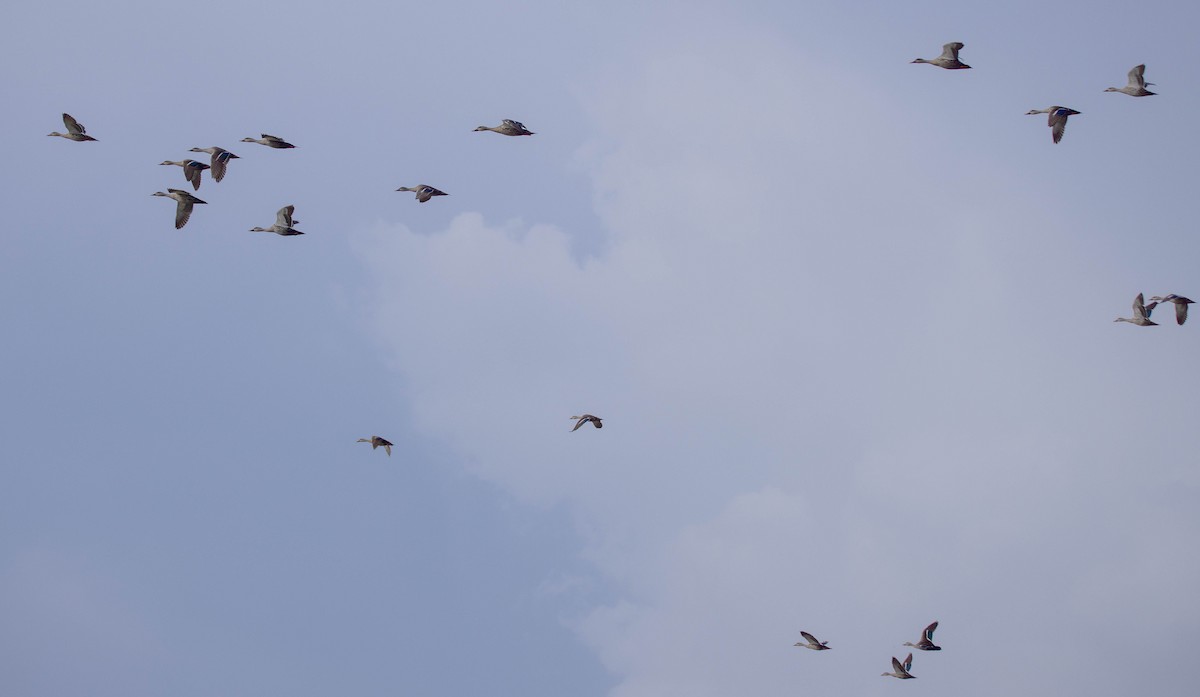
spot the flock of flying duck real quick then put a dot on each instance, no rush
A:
(1141, 311)
(1057, 120)
(185, 201)
(900, 670)
(1056, 115)
(284, 222)
(284, 225)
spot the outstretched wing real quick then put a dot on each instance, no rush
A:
(183, 211)
(283, 218)
(220, 159)
(192, 173)
(1058, 123)
(1139, 307)
(1137, 76)
(72, 125)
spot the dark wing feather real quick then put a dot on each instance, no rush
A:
(72, 125)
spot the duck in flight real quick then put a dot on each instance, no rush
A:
(270, 141)
(1141, 313)
(220, 158)
(901, 669)
(949, 58)
(508, 127)
(424, 192)
(183, 206)
(581, 420)
(925, 643)
(283, 223)
(377, 442)
(75, 130)
(1181, 304)
(1057, 119)
(192, 170)
(1137, 84)
(812, 643)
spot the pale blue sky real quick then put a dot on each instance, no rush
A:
(848, 321)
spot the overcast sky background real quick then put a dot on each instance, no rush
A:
(849, 322)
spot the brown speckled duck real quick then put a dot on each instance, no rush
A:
(270, 141)
(75, 130)
(1057, 119)
(587, 418)
(812, 643)
(220, 158)
(377, 442)
(901, 669)
(192, 169)
(1141, 313)
(1137, 84)
(283, 223)
(184, 202)
(508, 127)
(424, 192)
(1181, 304)
(925, 643)
(949, 58)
